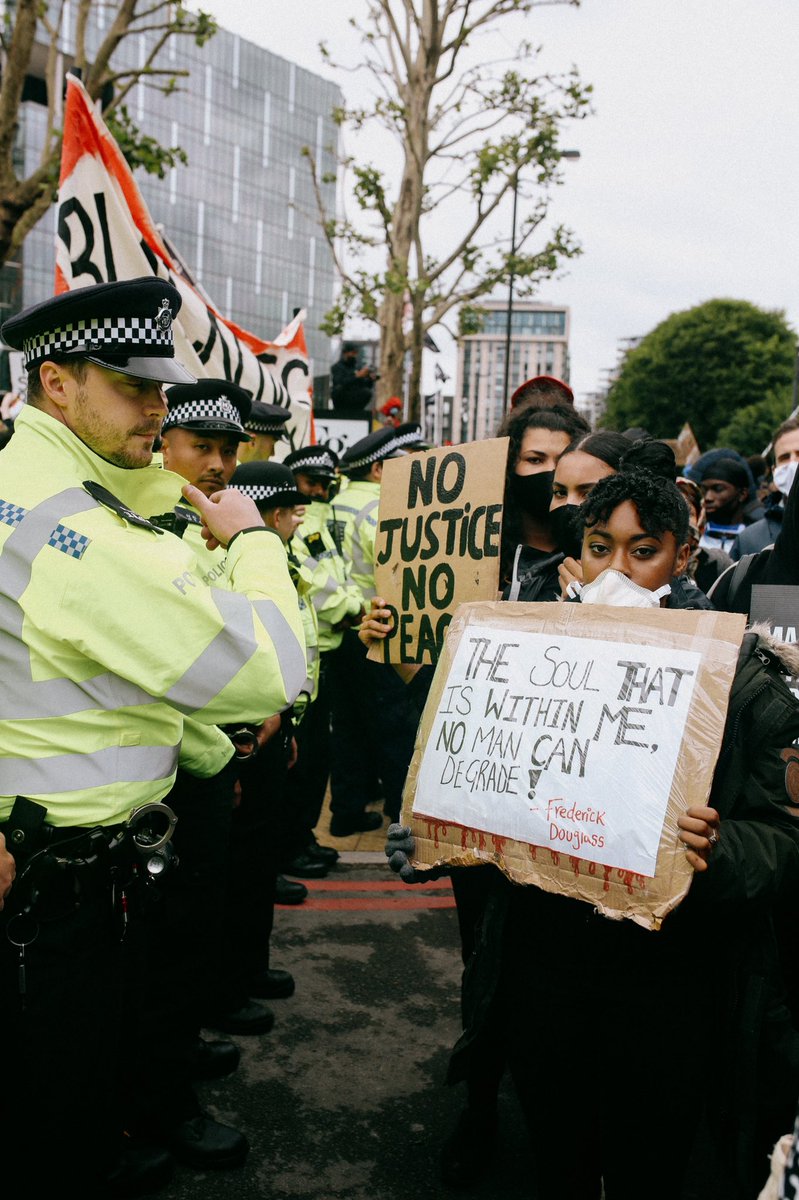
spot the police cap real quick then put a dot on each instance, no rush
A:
(318, 461)
(375, 447)
(208, 406)
(267, 418)
(125, 326)
(269, 484)
(409, 437)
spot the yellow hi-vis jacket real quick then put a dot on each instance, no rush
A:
(302, 578)
(355, 511)
(109, 637)
(332, 592)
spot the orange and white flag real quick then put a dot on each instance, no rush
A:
(105, 232)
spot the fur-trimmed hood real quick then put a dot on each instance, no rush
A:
(786, 652)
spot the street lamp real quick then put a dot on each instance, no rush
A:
(572, 154)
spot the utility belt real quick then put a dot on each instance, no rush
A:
(56, 864)
(60, 868)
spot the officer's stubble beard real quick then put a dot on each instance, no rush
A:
(123, 449)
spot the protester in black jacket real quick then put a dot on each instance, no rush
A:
(351, 386)
(654, 1064)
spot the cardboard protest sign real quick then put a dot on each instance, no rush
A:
(562, 742)
(438, 541)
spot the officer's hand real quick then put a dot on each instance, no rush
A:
(268, 729)
(8, 870)
(225, 514)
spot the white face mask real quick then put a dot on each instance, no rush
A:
(784, 476)
(611, 587)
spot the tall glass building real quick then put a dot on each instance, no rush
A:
(242, 214)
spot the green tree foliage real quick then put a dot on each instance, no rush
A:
(469, 135)
(31, 33)
(708, 365)
(751, 429)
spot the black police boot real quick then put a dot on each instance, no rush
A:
(289, 891)
(306, 867)
(250, 1018)
(272, 984)
(344, 825)
(206, 1144)
(326, 853)
(214, 1060)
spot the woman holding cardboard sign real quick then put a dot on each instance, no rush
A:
(609, 1028)
(577, 469)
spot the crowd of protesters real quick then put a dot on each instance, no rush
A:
(718, 1001)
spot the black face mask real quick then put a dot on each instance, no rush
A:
(567, 529)
(533, 493)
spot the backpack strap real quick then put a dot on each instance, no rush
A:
(736, 576)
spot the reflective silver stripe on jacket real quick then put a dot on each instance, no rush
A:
(232, 649)
(77, 772)
(311, 654)
(22, 697)
(329, 588)
(359, 564)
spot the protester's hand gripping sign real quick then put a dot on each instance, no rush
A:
(562, 743)
(438, 541)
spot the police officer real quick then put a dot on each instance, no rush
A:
(262, 819)
(203, 430)
(93, 710)
(267, 424)
(174, 981)
(338, 604)
(367, 696)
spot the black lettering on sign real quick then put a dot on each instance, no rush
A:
(427, 474)
(82, 263)
(102, 215)
(446, 494)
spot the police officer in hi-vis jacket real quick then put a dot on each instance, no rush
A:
(94, 709)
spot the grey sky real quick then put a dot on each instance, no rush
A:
(687, 184)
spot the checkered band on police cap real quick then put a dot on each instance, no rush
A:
(266, 491)
(114, 335)
(384, 450)
(217, 408)
(409, 437)
(267, 418)
(259, 425)
(312, 458)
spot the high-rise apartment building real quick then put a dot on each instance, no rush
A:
(242, 214)
(539, 345)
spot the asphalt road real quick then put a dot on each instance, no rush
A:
(345, 1098)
